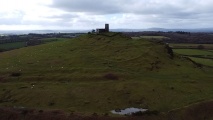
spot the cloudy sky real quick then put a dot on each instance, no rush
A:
(89, 14)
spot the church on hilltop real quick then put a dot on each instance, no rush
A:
(103, 30)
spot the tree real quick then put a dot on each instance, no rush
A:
(93, 31)
(2, 50)
(200, 47)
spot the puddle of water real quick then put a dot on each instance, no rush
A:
(128, 111)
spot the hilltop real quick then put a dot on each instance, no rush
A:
(99, 73)
(89, 57)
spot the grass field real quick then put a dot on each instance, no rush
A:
(150, 37)
(15, 45)
(204, 57)
(153, 37)
(193, 52)
(100, 73)
(192, 46)
(46, 40)
(207, 62)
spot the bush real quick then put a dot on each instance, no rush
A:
(200, 47)
(15, 74)
(111, 76)
(2, 50)
(51, 103)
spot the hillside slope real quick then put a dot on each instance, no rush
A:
(99, 73)
(90, 56)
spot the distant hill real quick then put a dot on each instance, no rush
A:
(19, 32)
(11, 32)
(165, 30)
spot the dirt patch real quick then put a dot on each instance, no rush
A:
(201, 111)
(2, 80)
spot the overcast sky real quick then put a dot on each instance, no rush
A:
(89, 14)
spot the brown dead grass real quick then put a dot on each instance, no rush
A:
(201, 111)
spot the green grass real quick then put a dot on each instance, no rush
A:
(204, 57)
(46, 40)
(150, 37)
(194, 46)
(153, 37)
(15, 45)
(70, 75)
(193, 52)
(135, 37)
(207, 62)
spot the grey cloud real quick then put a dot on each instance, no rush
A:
(47, 22)
(10, 21)
(88, 6)
(175, 8)
(65, 16)
(13, 18)
(116, 6)
(137, 14)
(177, 13)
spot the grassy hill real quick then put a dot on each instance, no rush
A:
(100, 73)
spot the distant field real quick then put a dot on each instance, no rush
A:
(204, 57)
(193, 52)
(15, 45)
(203, 46)
(207, 62)
(153, 37)
(50, 40)
(135, 37)
(150, 37)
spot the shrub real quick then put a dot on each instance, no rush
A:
(200, 47)
(15, 74)
(40, 111)
(2, 50)
(111, 76)
(51, 103)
